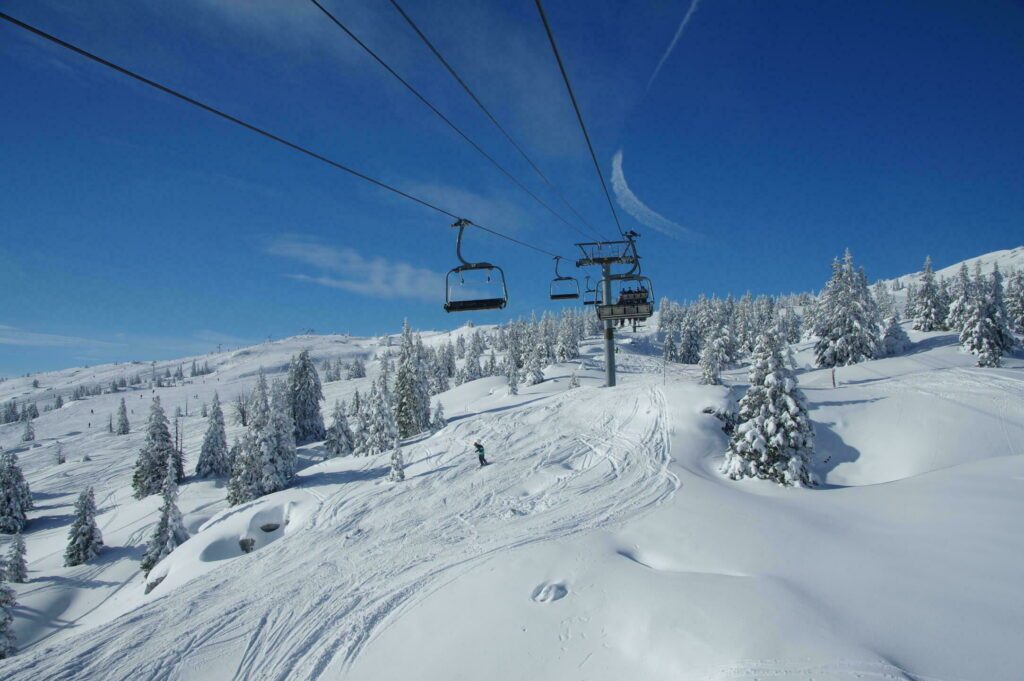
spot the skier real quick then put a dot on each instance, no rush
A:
(480, 453)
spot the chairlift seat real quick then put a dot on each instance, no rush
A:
(475, 305)
(565, 296)
(616, 311)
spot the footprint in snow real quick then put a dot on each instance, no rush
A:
(547, 593)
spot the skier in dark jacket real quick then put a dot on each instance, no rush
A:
(480, 453)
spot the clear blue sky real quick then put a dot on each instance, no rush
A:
(775, 135)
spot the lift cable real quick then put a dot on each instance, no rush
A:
(440, 115)
(260, 131)
(579, 116)
(462, 83)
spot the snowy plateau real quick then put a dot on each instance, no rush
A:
(602, 543)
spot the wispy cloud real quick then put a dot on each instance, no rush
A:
(635, 207)
(12, 335)
(675, 39)
(346, 269)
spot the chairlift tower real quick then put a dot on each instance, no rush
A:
(604, 254)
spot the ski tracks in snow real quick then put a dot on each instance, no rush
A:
(304, 607)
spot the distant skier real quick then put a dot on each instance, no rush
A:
(480, 453)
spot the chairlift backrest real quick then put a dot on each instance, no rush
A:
(472, 304)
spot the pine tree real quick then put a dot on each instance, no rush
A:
(381, 432)
(713, 357)
(339, 436)
(534, 368)
(15, 568)
(357, 369)
(985, 331)
(305, 393)
(7, 605)
(279, 460)
(960, 298)
(773, 439)
(437, 421)
(1015, 301)
(669, 351)
(688, 350)
(512, 375)
(58, 454)
(397, 473)
(169, 532)
(15, 496)
(122, 427)
(847, 321)
(214, 460)
(409, 390)
(29, 434)
(894, 339)
(574, 381)
(150, 467)
(84, 539)
(929, 312)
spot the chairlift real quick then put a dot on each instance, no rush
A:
(590, 295)
(634, 304)
(563, 288)
(472, 304)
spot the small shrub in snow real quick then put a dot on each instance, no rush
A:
(397, 473)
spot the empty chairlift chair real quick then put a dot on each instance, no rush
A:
(455, 283)
(563, 288)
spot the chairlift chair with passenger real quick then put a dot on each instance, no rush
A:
(452, 301)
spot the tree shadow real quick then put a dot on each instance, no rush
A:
(76, 582)
(932, 343)
(842, 403)
(830, 452)
(496, 410)
(48, 522)
(343, 477)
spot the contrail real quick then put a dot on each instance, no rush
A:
(639, 210)
(675, 39)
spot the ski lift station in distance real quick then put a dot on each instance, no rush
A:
(460, 297)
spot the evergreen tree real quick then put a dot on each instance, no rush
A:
(438, 421)
(397, 473)
(410, 393)
(305, 393)
(713, 357)
(929, 312)
(84, 539)
(894, 339)
(512, 375)
(246, 482)
(910, 306)
(574, 381)
(534, 368)
(960, 298)
(381, 432)
(1015, 301)
(669, 351)
(214, 460)
(773, 439)
(58, 454)
(15, 568)
(29, 434)
(884, 302)
(122, 427)
(688, 350)
(357, 369)
(7, 605)
(150, 467)
(15, 496)
(985, 332)
(279, 460)
(58, 402)
(169, 532)
(847, 320)
(339, 436)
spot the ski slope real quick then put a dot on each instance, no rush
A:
(600, 544)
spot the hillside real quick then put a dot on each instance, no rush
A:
(601, 544)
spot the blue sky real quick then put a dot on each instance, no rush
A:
(774, 136)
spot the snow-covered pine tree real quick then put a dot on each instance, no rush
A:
(7, 605)
(247, 468)
(15, 496)
(397, 473)
(929, 312)
(339, 435)
(688, 350)
(357, 369)
(713, 357)
(214, 460)
(511, 375)
(15, 568)
(1015, 301)
(847, 321)
(305, 393)
(381, 432)
(884, 302)
(574, 381)
(58, 454)
(437, 421)
(408, 393)
(170, 532)
(84, 538)
(460, 347)
(122, 427)
(279, 460)
(895, 340)
(534, 369)
(960, 297)
(910, 305)
(985, 332)
(668, 353)
(773, 439)
(150, 467)
(29, 433)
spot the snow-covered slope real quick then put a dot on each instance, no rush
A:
(601, 544)
(1007, 260)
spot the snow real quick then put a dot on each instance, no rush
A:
(602, 543)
